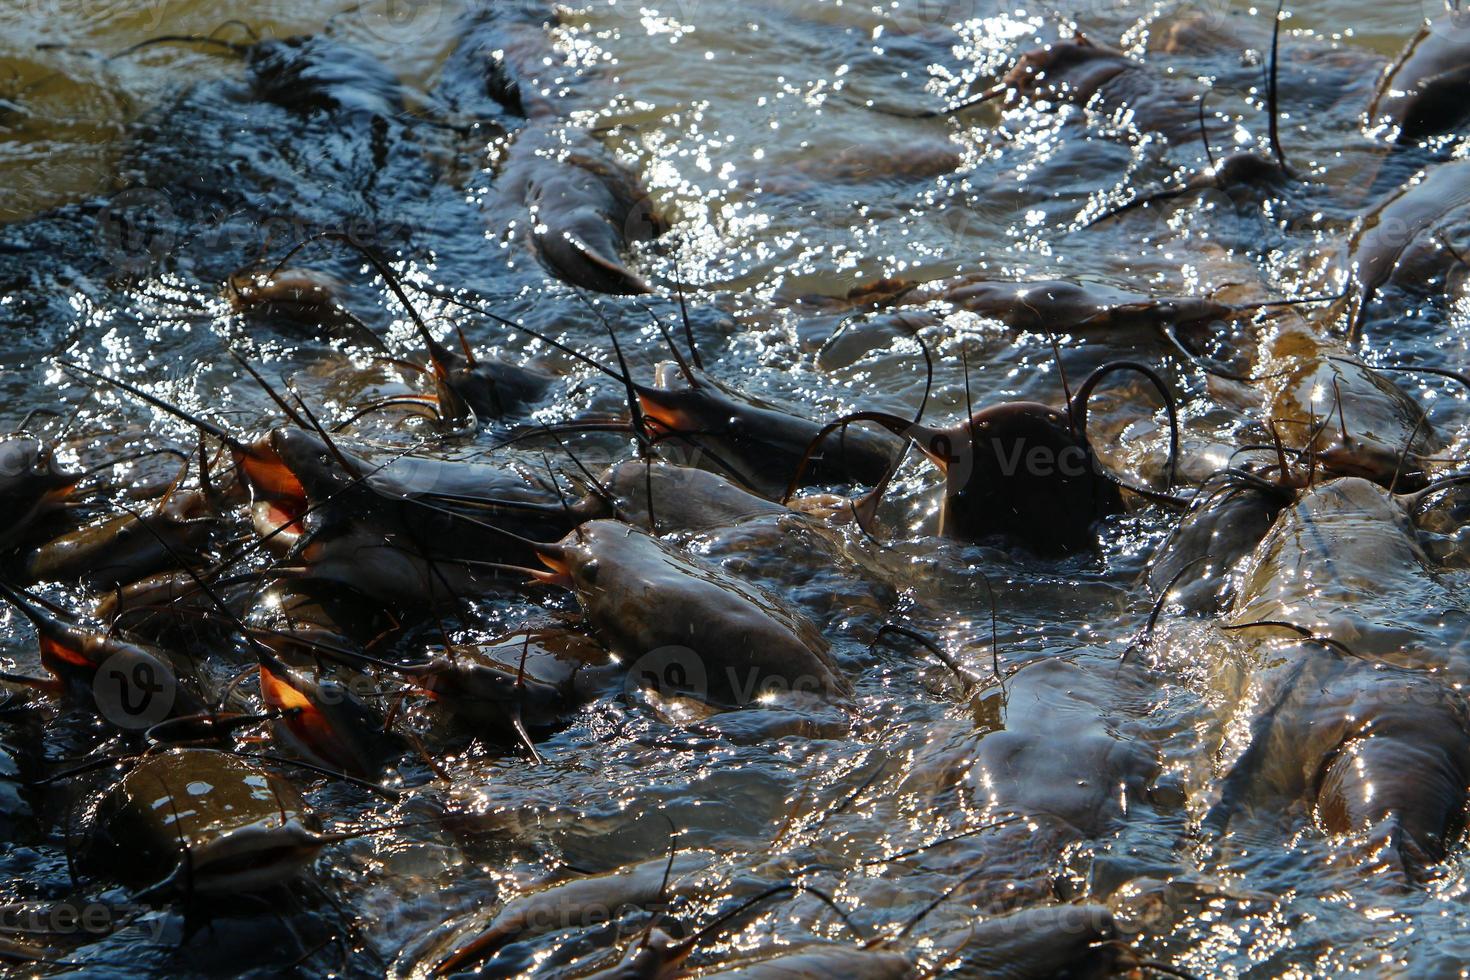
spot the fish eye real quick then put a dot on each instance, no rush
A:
(589, 571)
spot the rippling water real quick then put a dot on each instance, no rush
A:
(779, 142)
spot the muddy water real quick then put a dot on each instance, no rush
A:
(772, 138)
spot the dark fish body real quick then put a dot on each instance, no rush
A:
(207, 801)
(580, 209)
(296, 618)
(127, 684)
(1346, 562)
(432, 476)
(702, 632)
(1063, 766)
(31, 486)
(1039, 944)
(664, 497)
(1325, 402)
(584, 208)
(408, 533)
(1042, 304)
(1402, 229)
(1400, 771)
(170, 609)
(1381, 755)
(321, 720)
(823, 960)
(1021, 472)
(494, 388)
(756, 443)
(505, 53)
(121, 550)
(536, 679)
(1062, 305)
(1221, 529)
(1082, 73)
(874, 164)
(304, 298)
(579, 903)
(1427, 92)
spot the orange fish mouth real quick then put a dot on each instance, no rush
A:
(306, 721)
(270, 477)
(58, 657)
(662, 420)
(59, 495)
(280, 499)
(280, 695)
(560, 574)
(279, 523)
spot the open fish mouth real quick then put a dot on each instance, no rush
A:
(289, 473)
(661, 418)
(279, 500)
(560, 571)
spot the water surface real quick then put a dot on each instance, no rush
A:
(130, 188)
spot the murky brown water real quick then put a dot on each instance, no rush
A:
(1243, 801)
